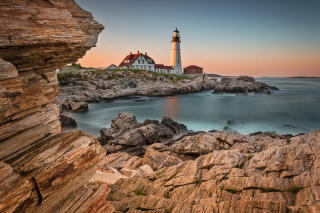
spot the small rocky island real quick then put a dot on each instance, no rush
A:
(242, 84)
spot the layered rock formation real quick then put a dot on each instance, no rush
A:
(42, 170)
(242, 84)
(256, 173)
(104, 85)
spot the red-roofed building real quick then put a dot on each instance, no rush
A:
(193, 69)
(143, 62)
(137, 61)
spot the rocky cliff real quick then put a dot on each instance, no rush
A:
(40, 168)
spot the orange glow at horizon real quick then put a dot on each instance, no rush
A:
(255, 65)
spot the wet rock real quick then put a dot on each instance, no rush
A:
(176, 127)
(125, 131)
(242, 85)
(67, 122)
(226, 128)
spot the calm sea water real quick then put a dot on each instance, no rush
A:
(297, 103)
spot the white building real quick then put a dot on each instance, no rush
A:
(143, 62)
(138, 61)
(175, 52)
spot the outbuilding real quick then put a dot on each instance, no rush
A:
(193, 69)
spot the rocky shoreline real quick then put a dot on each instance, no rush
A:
(216, 171)
(167, 167)
(78, 89)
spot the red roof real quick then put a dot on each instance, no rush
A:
(193, 67)
(132, 58)
(147, 57)
(159, 66)
(168, 67)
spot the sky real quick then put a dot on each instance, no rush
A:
(274, 38)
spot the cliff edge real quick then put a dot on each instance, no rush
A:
(40, 167)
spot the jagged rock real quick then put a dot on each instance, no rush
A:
(120, 160)
(177, 128)
(158, 160)
(242, 84)
(203, 143)
(75, 106)
(125, 131)
(67, 122)
(112, 148)
(123, 121)
(277, 177)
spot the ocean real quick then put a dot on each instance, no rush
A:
(294, 109)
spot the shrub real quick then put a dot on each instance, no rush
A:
(141, 192)
(166, 195)
(250, 156)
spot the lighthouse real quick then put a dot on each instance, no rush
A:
(175, 52)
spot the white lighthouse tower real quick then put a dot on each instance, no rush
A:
(175, 52)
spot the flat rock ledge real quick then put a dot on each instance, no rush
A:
(242, 84)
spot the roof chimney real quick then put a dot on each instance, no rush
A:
(138, 52)
(146, 54)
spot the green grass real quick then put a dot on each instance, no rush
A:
(153, 178)
(265, 190)
(141, 192)
(250, 156)
(169, 210)
(233, 191)
(166, 195)
(294, 189)
(239, 166)
(66, 75)
(288, 140)
(198, 181)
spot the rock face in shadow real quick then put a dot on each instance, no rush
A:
(242, 84)
(126, 131)
(42, 169)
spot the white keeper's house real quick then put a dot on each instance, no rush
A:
(143, 62)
